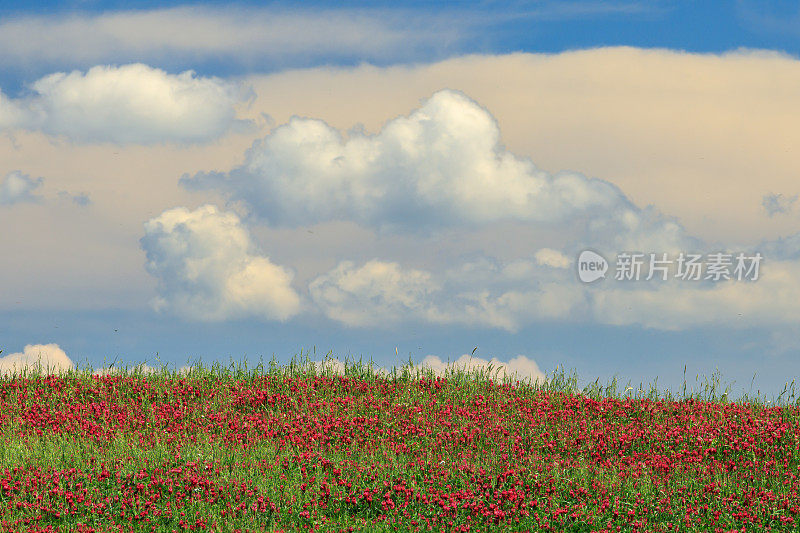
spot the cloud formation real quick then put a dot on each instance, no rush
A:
(143, 368)
(490, 293)
(519, 367)
(209, 269)
(129, 104)
(783, 249)
(552, 258)
(778, 204)
(443, 165)
(374, 293)
(17, 187)
(50, 356)
(80, 199)
(11, 116)
(243, 36)
(771, 301)
(482, 293)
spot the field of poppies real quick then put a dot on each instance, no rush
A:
(297, 448)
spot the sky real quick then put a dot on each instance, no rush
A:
(467, 183)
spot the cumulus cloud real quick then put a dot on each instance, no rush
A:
(127, 104)
(483, 293)
(17, 187)
(143, 368)
(777, 204)
(331, 365)
(520, 367)
(510, 295)
(374, 293)
(335, 366)
(771, 301)
(51, 357)
(552, 258)
(442, 165)
(209, 269)
(11, 115)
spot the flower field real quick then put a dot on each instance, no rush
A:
(291, 449)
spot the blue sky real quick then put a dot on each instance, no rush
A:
(479, 27)
(548, 26)
(215, 182)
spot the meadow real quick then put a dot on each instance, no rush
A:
(301, 448)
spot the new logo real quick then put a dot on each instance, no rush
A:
(591, 266)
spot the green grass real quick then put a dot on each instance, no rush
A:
(466, 449)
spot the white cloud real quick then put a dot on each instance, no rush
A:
(209, 269)
(784, 248)
(243, 36)
(10, 114)
(493, 294)
(638, 126)
(772, 300)
(17, 187)
(552, 258)
(520, 367)
(442, 165)
(268, 37)
(373, 294)
(144, 368)
(482, 293)
(335, 366)
(50, 356)
(127, 104)
(612, 113)
(329, 365)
